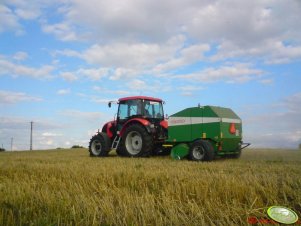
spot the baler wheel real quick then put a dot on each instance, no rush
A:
(99, 145)
(201, 150)
(136, 141)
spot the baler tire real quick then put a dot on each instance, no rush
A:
(99, 145)
(201, 150)
(138, 133)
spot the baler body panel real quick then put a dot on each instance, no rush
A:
(207, 122)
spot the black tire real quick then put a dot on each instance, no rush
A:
(201, 150)
(100, 145)
(136, 142)
(121, 151)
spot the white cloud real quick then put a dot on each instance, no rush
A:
(241, 22)
(63, 91)
(127, 60)
(67, 52)
(62, 31)
(127, 55)
(94, 74)
(49, 134)
(245, 24)
(278, 129)
(127, 19)
(86, 116)
(8, 97)
(236, 28)
(186, 56)
(68, 76)
(20, 56)
(27, 14)
(231, 73)
(118, 92)
(15, 70)
(125, 73)
(270, 51)
(9, 21)
(145, 87)
(137, 84)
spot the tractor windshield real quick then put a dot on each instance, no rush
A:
(153, 109)
(139, 107)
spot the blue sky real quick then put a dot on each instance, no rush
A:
(61, 61)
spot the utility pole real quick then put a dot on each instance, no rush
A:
(11, 143)
(31, 126)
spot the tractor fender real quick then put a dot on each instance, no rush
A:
(164, 124)
(141, 121)
(107, 128)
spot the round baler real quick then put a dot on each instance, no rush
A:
(202, 133)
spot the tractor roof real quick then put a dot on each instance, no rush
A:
(140, 98)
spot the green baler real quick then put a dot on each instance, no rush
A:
(202, 133)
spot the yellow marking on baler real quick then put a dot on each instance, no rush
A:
(221, 134)
(167, 145)
(204, 135)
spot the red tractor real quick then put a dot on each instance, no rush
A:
(138, 130)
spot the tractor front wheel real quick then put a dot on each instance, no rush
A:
(201, 150)
(136, 141)
(99, 145)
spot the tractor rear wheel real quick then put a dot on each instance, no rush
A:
(201, 150)
(99, 145)
(136, 142)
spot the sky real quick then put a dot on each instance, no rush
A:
(61, 61)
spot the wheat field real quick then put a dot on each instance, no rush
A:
(67, 187)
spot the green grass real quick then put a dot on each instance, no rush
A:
(67, 187)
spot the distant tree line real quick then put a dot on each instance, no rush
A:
(2, 149)
(77, 146)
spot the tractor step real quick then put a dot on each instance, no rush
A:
(116, 142)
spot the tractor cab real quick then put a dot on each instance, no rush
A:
(150, 109)
(147, 111)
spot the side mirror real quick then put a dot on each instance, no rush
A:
(112, 101)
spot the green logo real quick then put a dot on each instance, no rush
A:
(282, 215)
